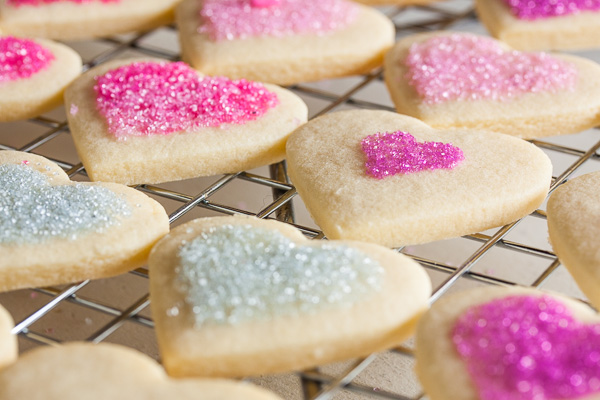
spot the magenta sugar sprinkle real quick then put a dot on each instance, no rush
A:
(22, 58)
(538, 9)
(148, 98)
(40, 2)
(233, 19)
(399, 153)
(528, 348)
(469, 67)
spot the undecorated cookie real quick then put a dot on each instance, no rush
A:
(87, 371)
(282, 41)
(541, 24)
(463, 80)
(573, 212)
(151, 121)
(382, 177)
(55, 231)
(508, 343)
(238, 296)
(82, 19)
(33, 76)
(8, 341)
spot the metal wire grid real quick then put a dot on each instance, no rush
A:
(314, 384)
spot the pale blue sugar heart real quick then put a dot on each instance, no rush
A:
(237, 273)
(32, 210)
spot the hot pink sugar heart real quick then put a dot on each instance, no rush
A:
(468, 67)
(147, 98)
(528, 347)
(399, 153)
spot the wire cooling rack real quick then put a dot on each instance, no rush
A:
(117, 309)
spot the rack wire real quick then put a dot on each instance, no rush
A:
(116, 309)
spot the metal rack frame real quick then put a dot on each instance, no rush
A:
(315, 384)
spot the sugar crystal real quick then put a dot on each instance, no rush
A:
(468, 67)
(32, 211)
(236, 273)
(545, 354)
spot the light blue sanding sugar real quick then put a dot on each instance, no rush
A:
(237, 273)
(32, 211)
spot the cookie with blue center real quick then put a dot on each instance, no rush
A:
(55, 231)
(238, 296)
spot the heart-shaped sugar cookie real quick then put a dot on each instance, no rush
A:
(468, 81)
(77, 19)
(573, 212)
(55, 231)
(542, 25)
(282, 42)
(33, 76)
(238, 296)
(107, 371)
(498, 180)
(508, 343)
(150, 121)
(8, 341)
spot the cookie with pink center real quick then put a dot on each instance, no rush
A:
(387, 178)
(573, 211)
(8, 341)
(54, 231)
(33, 76)
(82, 19)
(239, 296)
(459, 80)
(150, 121)
(108, 371)
(543, 24)
(283, 41)
(508, 343)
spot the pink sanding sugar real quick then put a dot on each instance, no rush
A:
(399, 153)
(148, 98)
(17, 3)
(468, 67)
(538, 9)
(22, 58)
(233, 19)
(528, 348)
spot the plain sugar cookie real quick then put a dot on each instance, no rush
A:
(33, 76)
(78, 20)
(8, 341)
(238, 296)
(573, 210)
(542, 25)
(282, 41)
(55, 231)
(386, 178)
(107, 371)
(508, 343)
(433, 77)
(152, 121)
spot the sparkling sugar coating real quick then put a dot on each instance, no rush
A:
(32, 211)
(22, 58)
(238, 19)
(538, 9)
(41, 2)
(153, 98)
(237, 273)
(467, 67)
(528, 348)
(392, 153)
